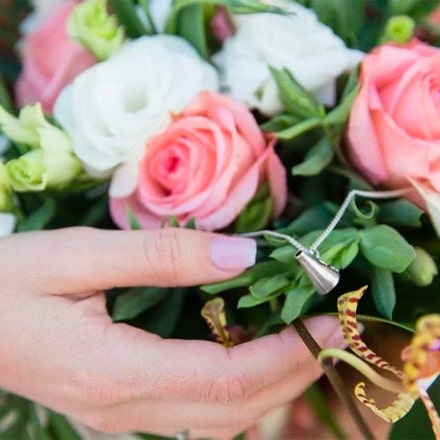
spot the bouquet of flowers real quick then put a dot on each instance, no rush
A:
(311, 126)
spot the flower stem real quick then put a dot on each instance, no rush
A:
(334, 378)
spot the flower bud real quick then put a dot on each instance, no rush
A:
(5, 189)
(90, 25)
(423, 269)
(399, 29)
(24, 129)
(50, 164)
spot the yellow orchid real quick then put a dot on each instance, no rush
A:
(214, 314)
(421, 363)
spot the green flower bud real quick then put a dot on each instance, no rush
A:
(399, 29)
(90, 25)
(5, 189)
(24, 129)
(51, 164)
(423, 269)
(27, 172)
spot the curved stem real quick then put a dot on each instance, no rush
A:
(361, 366)
(335, 379)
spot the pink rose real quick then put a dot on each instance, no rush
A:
(50, 61)
(207, 165)
(394, 129)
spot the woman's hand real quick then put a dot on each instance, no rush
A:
(60, 348)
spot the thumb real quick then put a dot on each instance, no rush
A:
(82, 259)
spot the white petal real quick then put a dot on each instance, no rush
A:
(432, 200)
(7, 223)
(116, 106)
(307, 48)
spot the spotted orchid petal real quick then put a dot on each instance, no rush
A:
(392, 413)
(422, 363)
(214, 314)
(347, 311)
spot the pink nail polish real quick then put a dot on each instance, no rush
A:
(233, 253)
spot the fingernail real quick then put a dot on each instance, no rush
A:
(233, 253)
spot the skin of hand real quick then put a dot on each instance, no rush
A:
(59, 347)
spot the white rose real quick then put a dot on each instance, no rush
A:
(113, 108)
(299, 42)
(7, 223)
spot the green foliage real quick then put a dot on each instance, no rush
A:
(316, 159)
(384, 247)
(126, 14)
(383, 291)
(134, 301)
(296, 298)
(345, 17)
(39, 218)
(257, 212)
(400, 212)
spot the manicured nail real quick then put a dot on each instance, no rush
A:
(233, 253)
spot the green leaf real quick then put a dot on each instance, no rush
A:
(36, 429)
(190, 26)
(384, 247)
(132, 220)
(126, 13)
(280, 123)
(164, 319)
(5, 100)
(417, 9)
(340, 114)
(248, 301)
(62, 428)
(40, 218)
(235, 6)
(383, 291)
(298, 129)
(345, 17)
(315, 218)
(295, 300)
(294, 97)
(344, 256)
(284, 254)
(316, 159)
(260, 270)
(255, 216)
(134, 301)
(268, 286)
(401, 213)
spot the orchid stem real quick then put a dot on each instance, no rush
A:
(334, 379)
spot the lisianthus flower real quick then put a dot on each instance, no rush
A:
(420, 368)
(298, 42)
(113, 108)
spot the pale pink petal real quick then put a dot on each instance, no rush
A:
(418, 86)
(404, 156)
(237, 199)
(119, 212)
(431, 201)
(277, 180)
(208, 104)
(364, 148)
